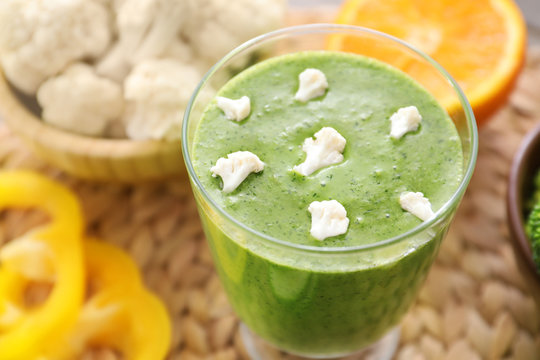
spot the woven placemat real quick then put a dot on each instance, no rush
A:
(474, 305)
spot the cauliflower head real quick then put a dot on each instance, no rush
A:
(80, 101)
(38, 38)
(157, 92)
(215, 27)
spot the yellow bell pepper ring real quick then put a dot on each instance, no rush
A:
(120, 313)
(50, 253)
(135, 323)
(26, 189)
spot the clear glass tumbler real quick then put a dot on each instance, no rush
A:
(321, 302)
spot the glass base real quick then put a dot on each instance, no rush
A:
(259, 349)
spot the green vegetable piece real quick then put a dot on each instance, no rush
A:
(535, 198)
(533, 231)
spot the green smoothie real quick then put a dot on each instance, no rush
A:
(328, 302)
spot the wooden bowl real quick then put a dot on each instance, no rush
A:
(86, 157)
(525, 166)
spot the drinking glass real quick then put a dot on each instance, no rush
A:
(324, 302)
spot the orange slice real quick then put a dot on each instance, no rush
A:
(481, 43)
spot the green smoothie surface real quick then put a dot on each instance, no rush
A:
(362, 94)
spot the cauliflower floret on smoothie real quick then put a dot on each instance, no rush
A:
(237, 110)
(417, 204)
(405, 120)
(236, 168)
(313, 84)
(325, 150)
(328, 218)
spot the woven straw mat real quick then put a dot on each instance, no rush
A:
(474, 304)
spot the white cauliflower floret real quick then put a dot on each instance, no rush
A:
(146, 28)
(236, 168)
(80, 101)
(328, 218)
(326, 149)
(215, 27)
(39, 38)
(404, 120)
(234, 109)
(417, 204)
(312, 84)
(157, 93)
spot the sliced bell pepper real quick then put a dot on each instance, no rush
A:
(135, 323)
(26, 189)
(52, 252)
(120, 313)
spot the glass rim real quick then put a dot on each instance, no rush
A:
(336, 28)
